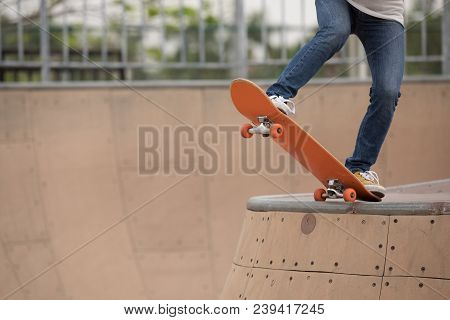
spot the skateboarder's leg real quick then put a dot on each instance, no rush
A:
(383, 41)
(334, 17)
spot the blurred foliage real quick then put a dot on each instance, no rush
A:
(186, 20)
(433, 45)
(177, 21)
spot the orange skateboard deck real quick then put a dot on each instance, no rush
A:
(253, 103)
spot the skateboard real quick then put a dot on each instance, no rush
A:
(267, 120)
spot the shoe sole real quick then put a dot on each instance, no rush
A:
(378, 194)
(377, 190)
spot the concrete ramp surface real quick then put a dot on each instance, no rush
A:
(69, 170)
(294, 248)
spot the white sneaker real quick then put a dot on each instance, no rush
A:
(371, 181)
(284, 105)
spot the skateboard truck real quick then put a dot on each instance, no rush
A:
(335, 190)
(266, 128)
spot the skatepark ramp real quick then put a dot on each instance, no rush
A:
(294, 248)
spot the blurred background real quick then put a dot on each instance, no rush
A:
(78, 78)
(57, 40)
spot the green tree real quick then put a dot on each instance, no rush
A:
(433, 45)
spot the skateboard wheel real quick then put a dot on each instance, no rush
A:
(244, 131)
(319, 194)
(350, 195)
(276, 130)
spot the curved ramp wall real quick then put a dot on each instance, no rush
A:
(398, 250)
(69, 169)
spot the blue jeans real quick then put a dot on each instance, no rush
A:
(383, 41)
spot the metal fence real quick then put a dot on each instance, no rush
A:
(103, 40)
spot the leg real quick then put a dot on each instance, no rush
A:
(383, 42)
(334, 17)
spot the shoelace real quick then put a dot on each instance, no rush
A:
(290, 104)
(370, 176)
